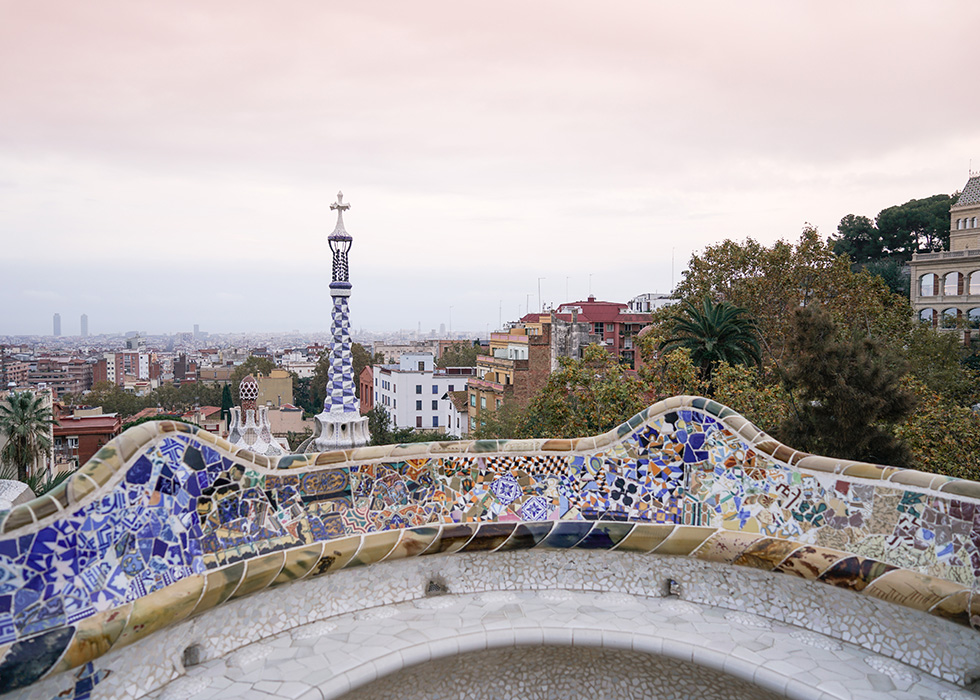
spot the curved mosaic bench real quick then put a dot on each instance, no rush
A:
(168, 521)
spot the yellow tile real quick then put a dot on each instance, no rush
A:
(376, 547)
(259, 573)
(336, 554)
(645, 537)
(156, 610)
(221, 583)
(725, 546)
(684, 540)
(912, 589)
(94, 636)
(299, 562)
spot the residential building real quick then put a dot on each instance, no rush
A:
(457, 413)
(78, 437)
(365, 388)
(126, 365)
(62, 375)
(614, 324)
(392, 352)
(946, 285)
(414, 390)
(516, 368)
(276, 389)
(13, 372)
(208, 418)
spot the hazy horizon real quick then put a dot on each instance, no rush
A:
(163, 165)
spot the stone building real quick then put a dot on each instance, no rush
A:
(946, 284)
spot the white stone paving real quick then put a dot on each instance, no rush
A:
(352, 650)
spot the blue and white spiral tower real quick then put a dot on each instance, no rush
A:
(340, 425)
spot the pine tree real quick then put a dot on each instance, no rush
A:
(847, 393)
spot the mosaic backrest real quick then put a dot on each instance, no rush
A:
(168, 521)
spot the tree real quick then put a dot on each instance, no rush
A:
(506, 423)
(252, 365)
(918, 225)
(26, 422)
(585, 396)
(859, 238)
(771, 282)
(379, 425)
(846, 393)
(714, 333)
(942, 437)
(226, 405)
(461, 355)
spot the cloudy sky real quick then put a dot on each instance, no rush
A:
(170, 163)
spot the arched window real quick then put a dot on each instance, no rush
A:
(974, 287)
(973, 318)
(949, 317)
(928, 316)
(953, 284)
(927, 285)
(973, 222)
(959, 223)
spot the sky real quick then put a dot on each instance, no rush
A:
(164, 164)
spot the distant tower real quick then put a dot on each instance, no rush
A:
(57, 325)
(85, 325)
(340, 425)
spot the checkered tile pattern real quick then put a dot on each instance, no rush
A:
(340, 384)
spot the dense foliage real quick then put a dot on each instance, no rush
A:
(714, 333)
(461, 354)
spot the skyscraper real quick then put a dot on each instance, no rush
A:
(57, 325)
(85, 325)
(340, 424)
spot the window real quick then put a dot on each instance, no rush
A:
(974, 284)
(435, 405)
(375, 396)
(418, 421)
(435, 421)
(452, 388)
(958, 224)
(950, 317)
(610, 327)
(418, 388)
(498, 404)
(953, 284)
(973, 318)
(72, 443)
(472, 423)
(973, 222)
(435, 389)
(473, 400)
(927, 285)
(421, 366)
(418, 405)
(376, 381)
(483, 402)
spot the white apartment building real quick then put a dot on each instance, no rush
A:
(414, 392)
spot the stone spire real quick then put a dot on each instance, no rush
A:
(340, 425)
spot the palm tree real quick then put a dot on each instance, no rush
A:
(26, 423)
(715, 333)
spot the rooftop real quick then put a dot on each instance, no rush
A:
(971, 192)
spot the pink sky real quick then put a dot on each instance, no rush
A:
(169, 147)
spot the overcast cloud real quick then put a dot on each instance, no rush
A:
(171, 163)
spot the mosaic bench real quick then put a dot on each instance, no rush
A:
(168, 521)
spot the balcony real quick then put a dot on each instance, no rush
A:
(946, 254)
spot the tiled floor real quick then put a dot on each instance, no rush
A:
(329, 658)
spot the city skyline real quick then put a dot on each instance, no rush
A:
(164, 167)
